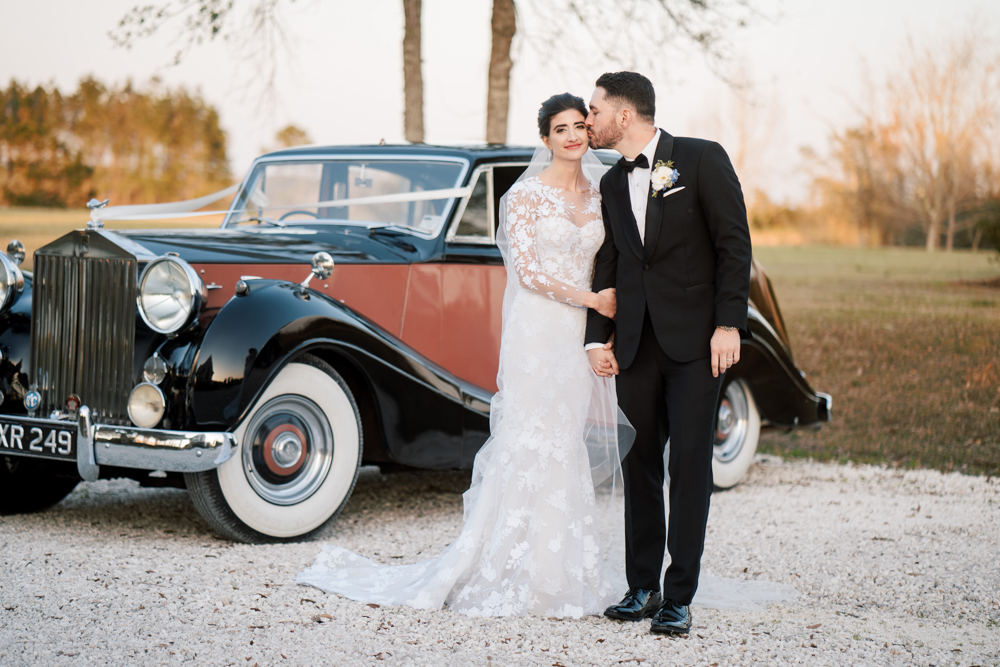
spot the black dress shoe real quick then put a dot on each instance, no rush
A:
(672, 619)
(638, 603)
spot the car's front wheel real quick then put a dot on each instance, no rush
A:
(297, 459)
(737, 430)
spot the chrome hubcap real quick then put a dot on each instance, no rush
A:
(287, 450)
(732, 423)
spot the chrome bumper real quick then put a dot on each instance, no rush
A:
(147, 449)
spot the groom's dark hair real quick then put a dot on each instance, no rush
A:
(630, 88)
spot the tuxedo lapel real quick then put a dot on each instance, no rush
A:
(654, 205)
(625, 215)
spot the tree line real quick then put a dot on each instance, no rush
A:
(922, 164)
(129, 144)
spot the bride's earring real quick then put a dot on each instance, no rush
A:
(550, 153)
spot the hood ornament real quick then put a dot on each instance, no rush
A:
(96, 205)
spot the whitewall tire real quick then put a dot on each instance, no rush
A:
(737, 431)
(298, 454)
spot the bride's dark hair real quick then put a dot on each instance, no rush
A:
(556, 105)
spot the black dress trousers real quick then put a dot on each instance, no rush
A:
(664, 398)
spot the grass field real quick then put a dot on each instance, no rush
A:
(908, 348)
(34, 227)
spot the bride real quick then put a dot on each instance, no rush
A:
(543, 526)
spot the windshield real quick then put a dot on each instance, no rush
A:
(414, 194)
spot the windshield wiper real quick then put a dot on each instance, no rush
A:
(267, 221)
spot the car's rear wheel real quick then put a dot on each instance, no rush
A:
(737, 430)
(30, 485)
(297, 459)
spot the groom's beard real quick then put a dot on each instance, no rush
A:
(606, 138)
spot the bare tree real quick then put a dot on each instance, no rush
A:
(631, 33)
(924, 151)
(747, 121)
(504, 25)
(260, 29)
(413, 77)
(259, 24)
(939, 110)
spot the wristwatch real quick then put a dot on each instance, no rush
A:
(728, 328)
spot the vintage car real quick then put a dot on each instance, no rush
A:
(346, 312)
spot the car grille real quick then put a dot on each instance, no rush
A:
(83, 325)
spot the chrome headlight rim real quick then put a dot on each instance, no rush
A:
(13, 279)
(198, 296)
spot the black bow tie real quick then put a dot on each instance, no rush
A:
(640, 162)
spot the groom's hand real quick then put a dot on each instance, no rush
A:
(725, 348)
(602, 360)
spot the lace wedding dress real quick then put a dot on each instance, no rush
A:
(543, 518)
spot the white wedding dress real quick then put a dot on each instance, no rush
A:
(543, 530)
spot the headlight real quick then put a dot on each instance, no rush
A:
(145, 405)
(170, 294)
(11, 281)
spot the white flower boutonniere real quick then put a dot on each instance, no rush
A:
(664, 176)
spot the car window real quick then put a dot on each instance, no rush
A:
(503, 178)
(475, 219)
(389, 192)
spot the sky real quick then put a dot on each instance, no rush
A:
(806, 62)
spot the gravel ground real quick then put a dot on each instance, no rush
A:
(895, 568)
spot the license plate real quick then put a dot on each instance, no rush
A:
(23, 436)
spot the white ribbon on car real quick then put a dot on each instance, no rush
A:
(189, 208)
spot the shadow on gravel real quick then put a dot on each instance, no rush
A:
(121, 508)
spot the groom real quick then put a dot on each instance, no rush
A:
(677, 249)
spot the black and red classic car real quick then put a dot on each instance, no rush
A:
(346, 312)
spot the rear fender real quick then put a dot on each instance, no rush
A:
(782, 394)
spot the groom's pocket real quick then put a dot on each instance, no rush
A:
(678, 200)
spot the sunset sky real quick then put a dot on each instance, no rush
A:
(343, 81)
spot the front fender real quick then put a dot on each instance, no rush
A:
(422, 407)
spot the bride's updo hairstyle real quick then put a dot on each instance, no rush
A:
(556, 105)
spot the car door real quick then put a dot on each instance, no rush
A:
(473, 280)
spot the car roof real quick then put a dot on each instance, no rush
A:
(472, 152)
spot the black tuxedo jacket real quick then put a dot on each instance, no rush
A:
(693, 272)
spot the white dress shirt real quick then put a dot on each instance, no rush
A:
(638, 190)
(638, 186)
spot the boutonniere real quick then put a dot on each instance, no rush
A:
(664, 176)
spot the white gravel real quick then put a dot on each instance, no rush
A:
(895, 568)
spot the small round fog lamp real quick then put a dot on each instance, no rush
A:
(155, 369)
(145, 405)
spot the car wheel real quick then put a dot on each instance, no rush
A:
(737, 430)
(29, 485)
(297, 459)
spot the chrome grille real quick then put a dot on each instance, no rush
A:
(83, 325)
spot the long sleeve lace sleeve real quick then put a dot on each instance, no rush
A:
(520, 222)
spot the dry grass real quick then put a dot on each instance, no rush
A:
(909, 346)
(34, 227)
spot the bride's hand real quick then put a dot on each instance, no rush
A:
(607, 303)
